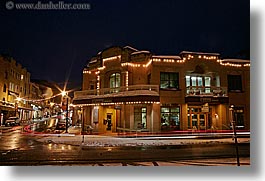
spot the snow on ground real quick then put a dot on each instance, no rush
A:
(109, 141)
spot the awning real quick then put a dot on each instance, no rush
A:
(117, 99)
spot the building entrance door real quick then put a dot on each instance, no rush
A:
(109, 122)
(197, 119)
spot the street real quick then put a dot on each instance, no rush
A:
(20, 148)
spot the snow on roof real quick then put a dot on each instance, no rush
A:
(236, 60)
(93, 61)
(167, 56)
(139, 52)
(198, 53)
(131, 48)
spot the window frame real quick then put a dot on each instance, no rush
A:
(169, 79)
(4, 88)
(140, 112)
(170, 112)
(117, 83)
(233, 84)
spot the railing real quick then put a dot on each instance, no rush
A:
(206, 90)
(124, 89)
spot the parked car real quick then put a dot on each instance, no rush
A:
(12, 121)
(61, 125)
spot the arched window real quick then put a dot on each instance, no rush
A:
(115, 80)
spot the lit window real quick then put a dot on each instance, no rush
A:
(198, 82)
(170, 118)
(169, 80)
(115, 81)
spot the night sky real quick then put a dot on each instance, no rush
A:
(56, 44)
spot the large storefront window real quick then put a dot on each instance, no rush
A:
(140, 117)
(115, 81)
(170, 118)
(169, 80)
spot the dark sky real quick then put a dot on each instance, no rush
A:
(52, 44)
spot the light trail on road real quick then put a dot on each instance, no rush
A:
(24, 149)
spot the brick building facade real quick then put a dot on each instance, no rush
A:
(128, 89)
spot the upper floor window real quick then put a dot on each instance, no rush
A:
(199, 82)
(11, 86)
(4, 89)
(6, 75)
(234, 83)
(169, 80)
(92, 86)
(149, 79)
(115, 80)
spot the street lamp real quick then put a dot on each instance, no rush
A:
(65, 94)
(18, 99)
(233, 122)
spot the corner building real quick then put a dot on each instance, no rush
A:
(125, 89)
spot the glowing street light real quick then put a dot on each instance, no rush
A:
(64, 93)
(18, 99)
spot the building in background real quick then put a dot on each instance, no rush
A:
(127, 89)
(14, 85)
(21, 97)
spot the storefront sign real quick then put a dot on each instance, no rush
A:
(212, 100)
(206, 99)
(205, 108)
(117, 107)
(97, 100)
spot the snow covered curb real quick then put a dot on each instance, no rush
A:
(102, 141)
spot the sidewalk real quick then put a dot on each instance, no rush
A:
(73, 137)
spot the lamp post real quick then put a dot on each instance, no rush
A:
(83, 126)
(233, 122)
(64, 94)
(16, 106)
(18, 99)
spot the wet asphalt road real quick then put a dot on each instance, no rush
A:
(18, 148)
